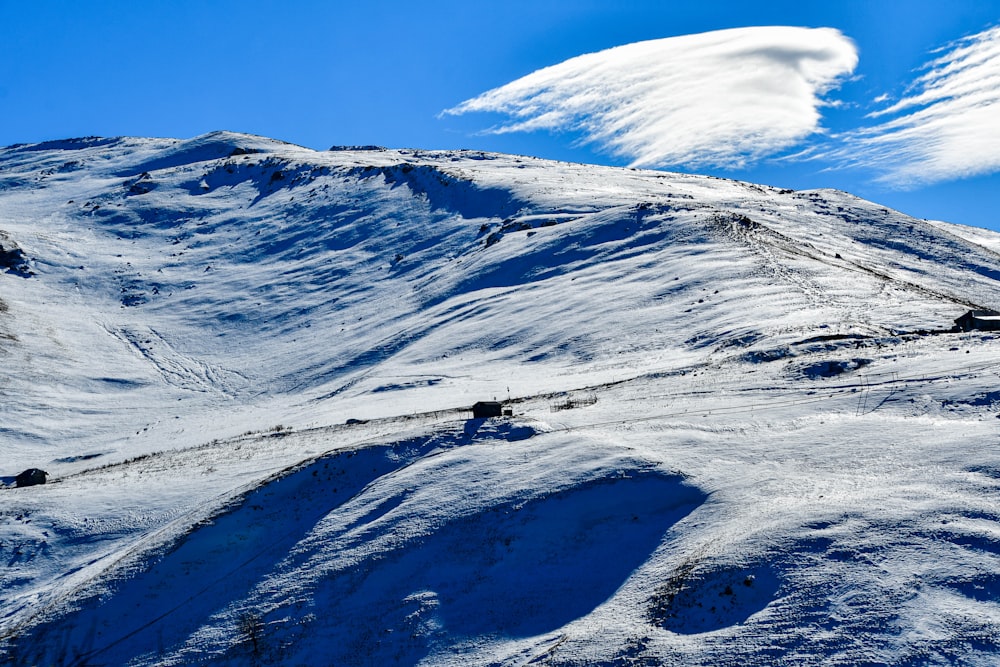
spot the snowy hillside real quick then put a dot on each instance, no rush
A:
(743, 430)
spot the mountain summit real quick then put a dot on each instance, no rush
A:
(742, 427)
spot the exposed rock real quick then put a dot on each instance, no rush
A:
(12, 258)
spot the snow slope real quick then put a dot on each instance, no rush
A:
(743, 432)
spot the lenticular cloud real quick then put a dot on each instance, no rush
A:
(948, 127)
(722, 98)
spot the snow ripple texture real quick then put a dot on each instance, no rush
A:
(743, 429)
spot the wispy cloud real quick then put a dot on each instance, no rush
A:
(946, 127)
(723, 98)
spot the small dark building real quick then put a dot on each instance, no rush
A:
(31, 477)
(979, 320)
(486, 409)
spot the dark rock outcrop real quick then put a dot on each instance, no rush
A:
(31, 477)
(12, 258)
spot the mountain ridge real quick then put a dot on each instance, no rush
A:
(208, 322)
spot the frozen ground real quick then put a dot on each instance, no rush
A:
(743, 431)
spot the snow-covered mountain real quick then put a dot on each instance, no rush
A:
(743, 430)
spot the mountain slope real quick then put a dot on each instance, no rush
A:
(743, 431)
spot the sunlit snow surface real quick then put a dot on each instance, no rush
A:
(743, 432)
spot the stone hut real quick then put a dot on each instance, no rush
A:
(979, 320)
(31, 477)
(486, 409)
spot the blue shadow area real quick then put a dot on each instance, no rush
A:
(517, 569)
(219, 561)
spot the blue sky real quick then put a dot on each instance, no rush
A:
(324, 73)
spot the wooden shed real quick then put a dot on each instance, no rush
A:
(979, 320)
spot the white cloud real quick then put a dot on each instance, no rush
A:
(722, 98)
(947, 127)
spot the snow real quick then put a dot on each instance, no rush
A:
(743, 430)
